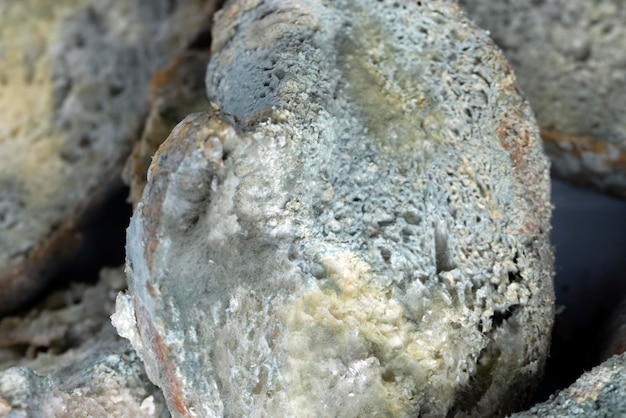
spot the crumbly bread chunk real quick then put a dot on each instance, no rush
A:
(73, 92)
(570, 60)
(87, 370)
(600, 392)
(358, 228)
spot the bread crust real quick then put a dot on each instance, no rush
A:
(73, 88)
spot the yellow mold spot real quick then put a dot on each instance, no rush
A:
(349, 334)
(29, 144)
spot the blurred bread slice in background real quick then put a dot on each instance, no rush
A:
(570, 61)
(74, 78)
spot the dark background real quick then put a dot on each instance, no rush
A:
(589, 235)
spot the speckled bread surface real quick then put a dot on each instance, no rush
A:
(600, 392)
(358, 227)
(73, 92)
(570, 60)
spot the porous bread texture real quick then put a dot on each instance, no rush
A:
(358, 228)
(73, 92)
(570, 60)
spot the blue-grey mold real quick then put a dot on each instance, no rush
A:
(359, 227)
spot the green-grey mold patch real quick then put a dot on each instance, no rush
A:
(401, 118)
